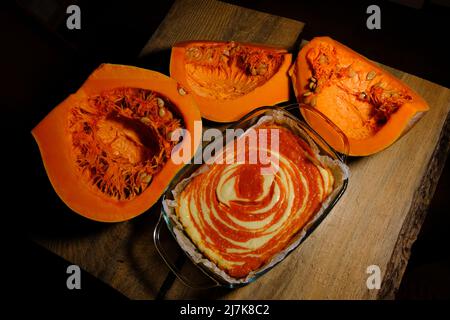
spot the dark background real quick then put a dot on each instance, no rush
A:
(44, 62)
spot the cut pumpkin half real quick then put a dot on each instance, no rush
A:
(371, 106)
(229, 79)
(107, 148)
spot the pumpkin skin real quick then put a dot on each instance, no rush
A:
(371, 106)
(54, 140)
(230, 79)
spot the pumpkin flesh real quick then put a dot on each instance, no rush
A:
(368, 104)
(229, 79)
(120, 139)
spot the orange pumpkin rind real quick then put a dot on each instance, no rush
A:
(54, 140)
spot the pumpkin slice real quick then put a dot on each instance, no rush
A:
(371, 106)
(229, 79)
(107, 148)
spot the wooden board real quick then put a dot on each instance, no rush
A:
(123, 255)
(214, 20)
(375, 223)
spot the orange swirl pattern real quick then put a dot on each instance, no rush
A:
(239, 218)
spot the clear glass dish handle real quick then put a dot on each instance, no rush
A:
(343, 154)
(173, 264)
(343, 137)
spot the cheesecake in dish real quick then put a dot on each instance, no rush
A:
(239, 217)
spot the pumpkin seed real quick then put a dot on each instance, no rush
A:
(351, 73)
(312, 86)
(312, 79)
(160, 102)
(307, 93)
(371, 75)
(323, 59)
(194, 53)
(146, 178)
(313, 102)
(145, 120)
(162, 112)
(181, 91)
(362, 96)
(262, 68)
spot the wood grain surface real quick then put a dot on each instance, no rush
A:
(375, 223)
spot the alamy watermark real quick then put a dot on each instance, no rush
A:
(74, 279)
(74, 19)
(374, 20)
(374, 280)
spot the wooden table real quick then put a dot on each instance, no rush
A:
(375, 223)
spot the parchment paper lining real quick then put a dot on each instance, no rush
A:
(338, 169)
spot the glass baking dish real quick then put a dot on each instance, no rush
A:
(196, 274)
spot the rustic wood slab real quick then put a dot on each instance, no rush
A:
(123, 255)
(375, 223)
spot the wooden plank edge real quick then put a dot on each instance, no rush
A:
(415, 217)
(159, 29)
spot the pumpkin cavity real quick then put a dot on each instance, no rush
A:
(120, 139)
(226, 71)
(355, 97)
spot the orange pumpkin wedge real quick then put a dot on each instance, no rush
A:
(371, 106)
(229, 79)
(106, 148)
